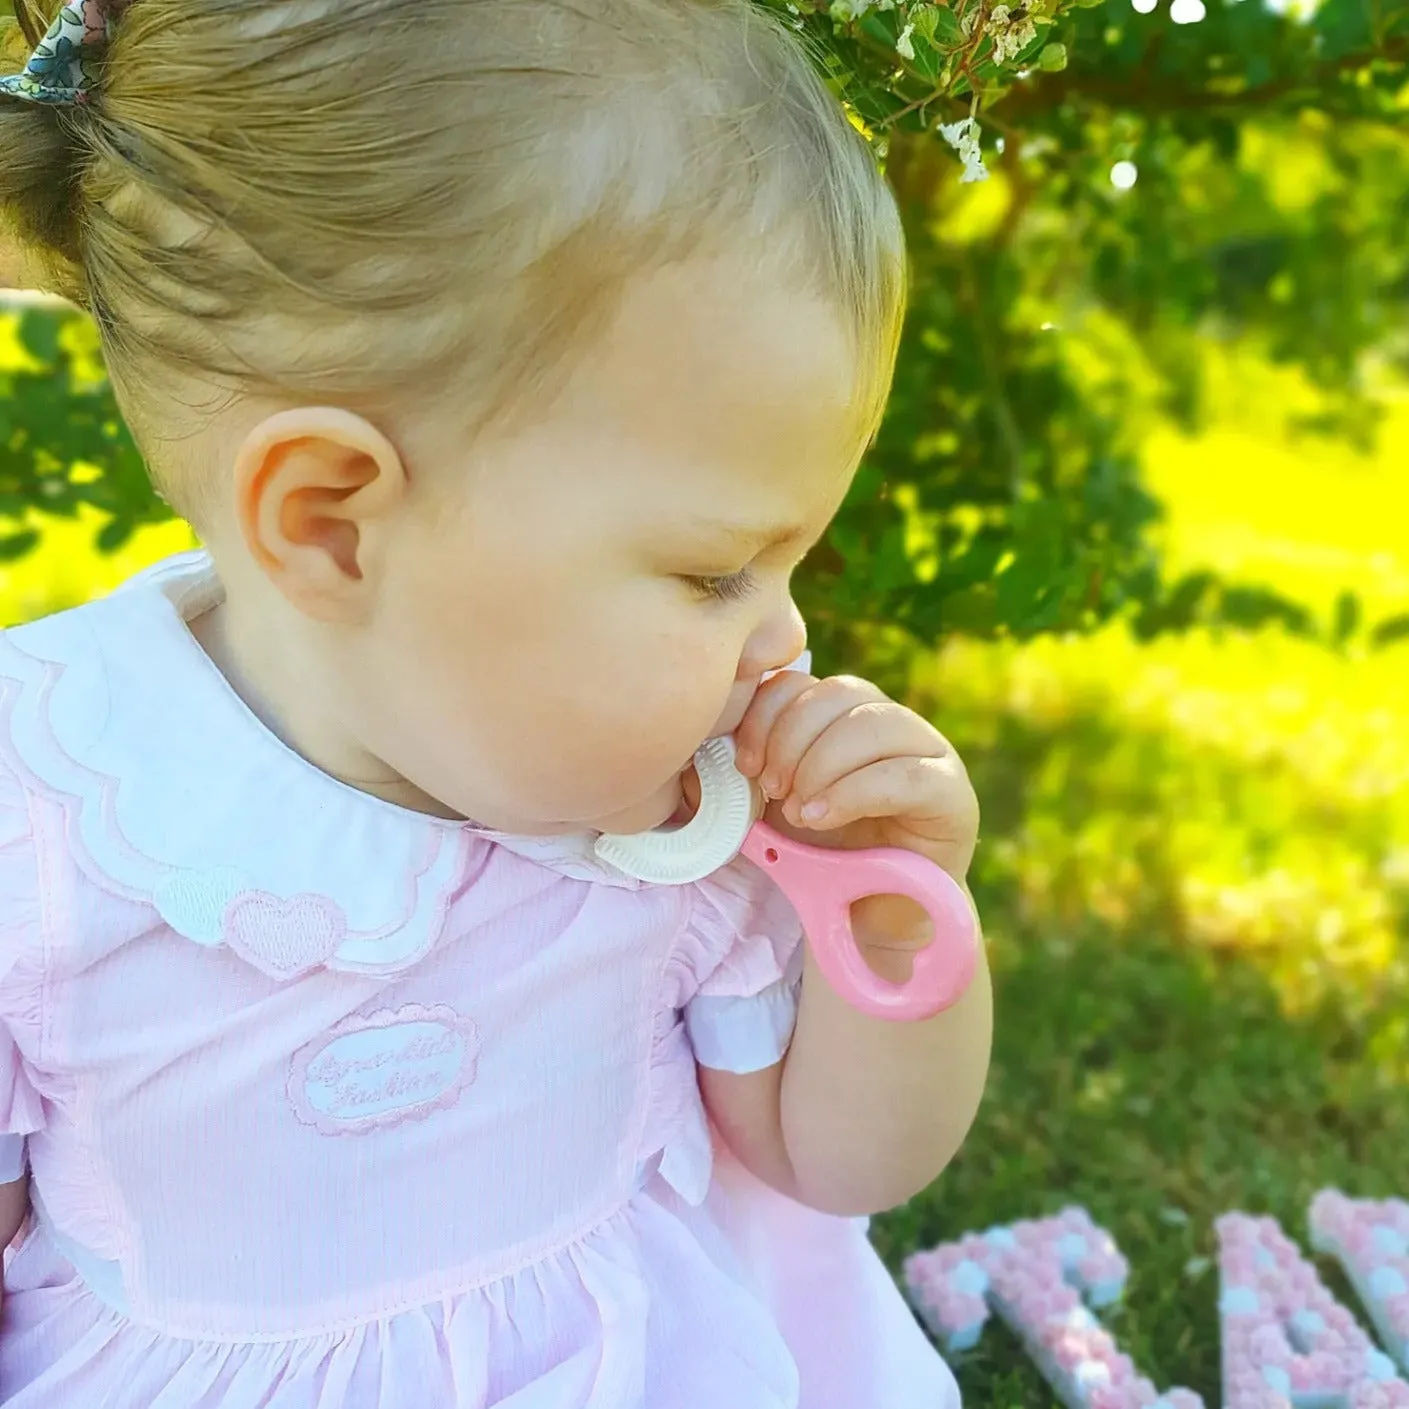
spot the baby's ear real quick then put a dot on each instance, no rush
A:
(314, 488)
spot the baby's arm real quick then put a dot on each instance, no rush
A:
(861, 1113)
(14, 1209)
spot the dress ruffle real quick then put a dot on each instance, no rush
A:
(744, 951)
(630, 1317)
(677, 1130)
(730, 1001)
(742, 932)
(21, 1105)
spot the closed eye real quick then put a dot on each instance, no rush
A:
(736, 587)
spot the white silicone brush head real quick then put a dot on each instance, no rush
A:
(710, 839)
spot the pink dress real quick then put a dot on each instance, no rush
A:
(330, 1104)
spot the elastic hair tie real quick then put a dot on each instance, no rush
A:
(62, 70)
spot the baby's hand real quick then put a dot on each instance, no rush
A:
(845, 766)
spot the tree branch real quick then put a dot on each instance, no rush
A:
(1043, 92)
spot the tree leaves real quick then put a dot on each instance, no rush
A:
(1269, 167)
(62, 441)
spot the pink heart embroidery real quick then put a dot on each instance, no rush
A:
(283, 938)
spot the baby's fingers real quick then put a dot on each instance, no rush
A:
(797, 728)
(930, 797)
(774, 696)
(867, 732)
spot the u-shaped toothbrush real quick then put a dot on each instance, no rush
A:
(821, 884)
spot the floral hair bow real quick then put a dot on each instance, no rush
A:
(60, 72)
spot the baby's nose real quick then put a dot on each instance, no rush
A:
(780, 645)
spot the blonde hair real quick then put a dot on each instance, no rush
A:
(369, 200)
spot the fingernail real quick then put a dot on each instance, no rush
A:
(746, 760)
(772, 784)
(811, 811)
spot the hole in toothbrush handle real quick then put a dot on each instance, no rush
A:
(822, 884)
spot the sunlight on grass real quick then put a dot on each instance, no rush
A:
(1251, 792)
(1312, 518)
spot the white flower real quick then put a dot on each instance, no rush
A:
(964, 136)
(903, 45)
(1009, 40)
(845, 11)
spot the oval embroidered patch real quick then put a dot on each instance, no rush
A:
(378, 1069)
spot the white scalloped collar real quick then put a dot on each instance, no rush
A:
(178, 795)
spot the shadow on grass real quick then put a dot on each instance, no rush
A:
(1160, 1085)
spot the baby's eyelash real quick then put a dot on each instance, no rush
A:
(736, 587)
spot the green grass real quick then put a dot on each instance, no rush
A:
(1195, 881)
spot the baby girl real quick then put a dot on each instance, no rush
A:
(508, 356)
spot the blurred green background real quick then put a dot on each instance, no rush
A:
(1136, 535)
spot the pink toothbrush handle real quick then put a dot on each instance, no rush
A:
(821, 884)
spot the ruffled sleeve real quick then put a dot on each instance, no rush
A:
(745, 955)
(21, 1109)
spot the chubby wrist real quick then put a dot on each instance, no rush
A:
(891, 929)
(890, 924)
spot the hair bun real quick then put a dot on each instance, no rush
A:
(39, 167)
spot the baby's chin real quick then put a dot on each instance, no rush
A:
(665, 805)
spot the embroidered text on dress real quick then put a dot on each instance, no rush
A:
(379, 1069)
